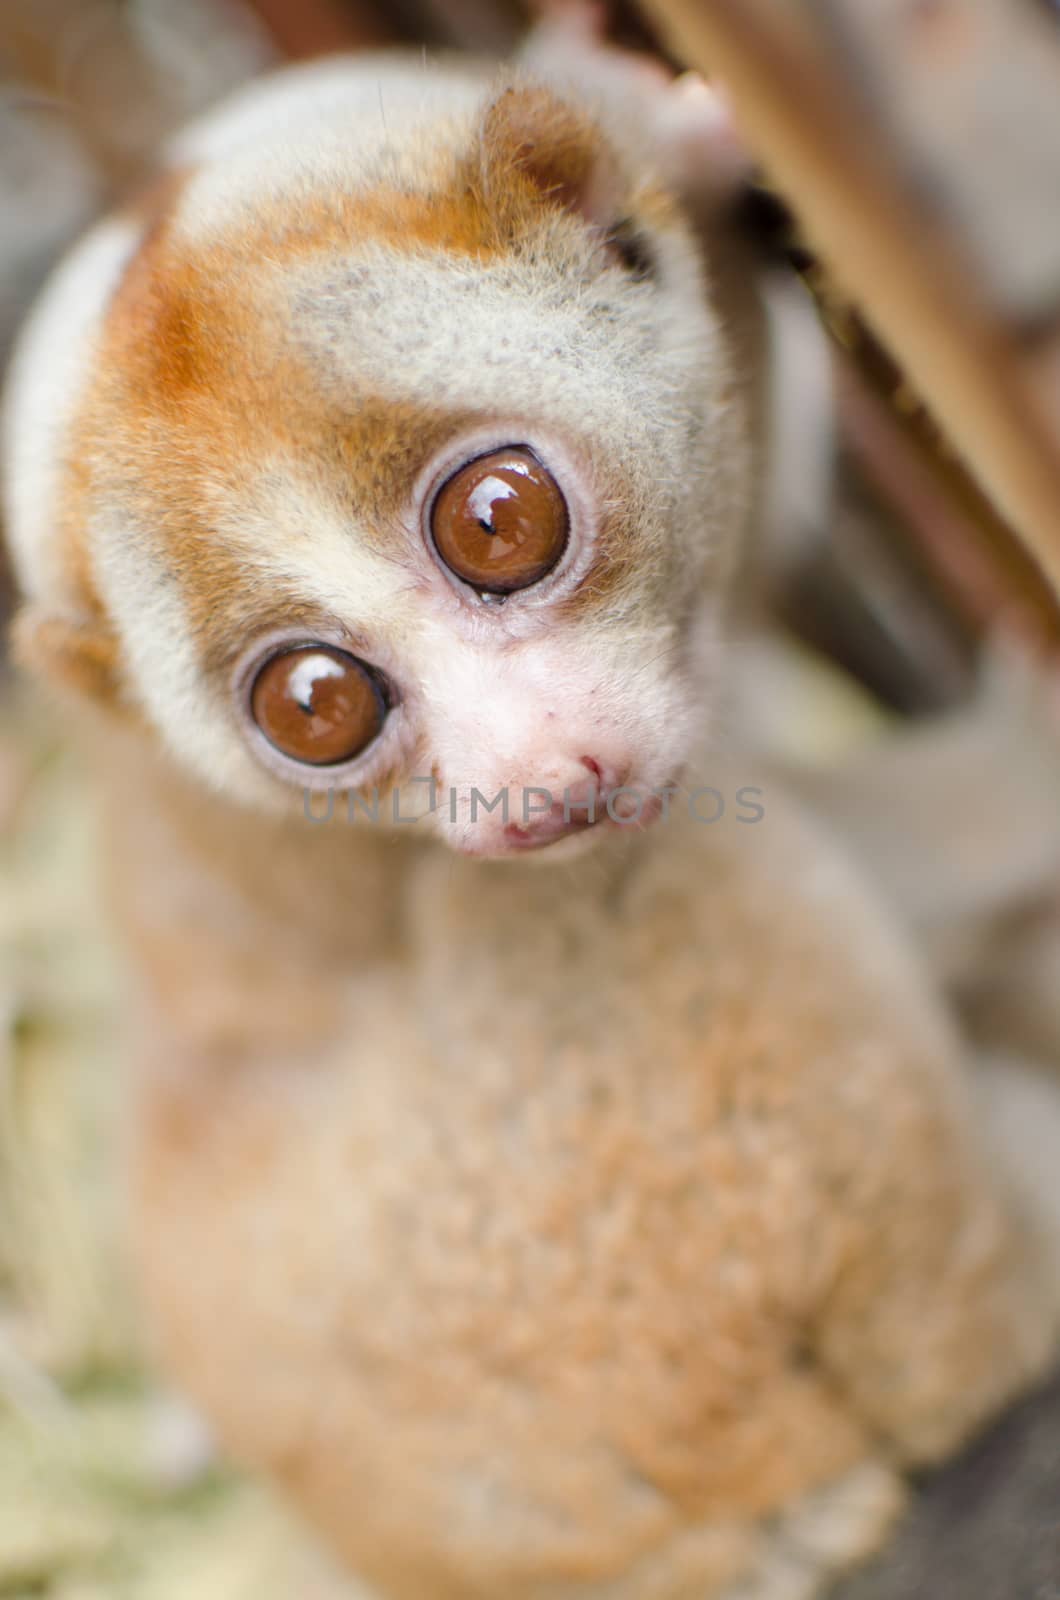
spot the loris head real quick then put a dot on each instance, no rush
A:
(393, 440)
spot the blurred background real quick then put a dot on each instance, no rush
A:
(895, 652)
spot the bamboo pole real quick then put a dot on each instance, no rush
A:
(821, 148)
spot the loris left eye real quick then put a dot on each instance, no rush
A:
(318, 705)
(500, 523)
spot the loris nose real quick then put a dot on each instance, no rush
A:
(574, 801)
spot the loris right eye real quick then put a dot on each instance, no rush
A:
(500, 523)
(317, 704)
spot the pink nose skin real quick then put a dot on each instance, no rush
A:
(581, 805)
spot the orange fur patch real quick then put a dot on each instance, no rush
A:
(529, 137)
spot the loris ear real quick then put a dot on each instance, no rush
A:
(79, 657)
(532, 138)
(681, 126)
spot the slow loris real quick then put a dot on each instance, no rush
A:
(549, 1165)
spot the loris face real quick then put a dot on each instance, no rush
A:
(404, 462)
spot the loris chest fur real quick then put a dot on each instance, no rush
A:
(550, 1226)
(564, 1191)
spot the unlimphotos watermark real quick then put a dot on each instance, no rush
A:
(626, 806)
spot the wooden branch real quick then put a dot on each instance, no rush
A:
(72, 60)
(989, 592)
(822, 148)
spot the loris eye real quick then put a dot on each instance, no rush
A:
(317, 704)
(500, 523)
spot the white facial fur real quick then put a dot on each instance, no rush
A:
(48, 372)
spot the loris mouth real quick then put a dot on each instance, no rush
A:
(560, 831)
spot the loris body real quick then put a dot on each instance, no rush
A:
(558, 1205)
